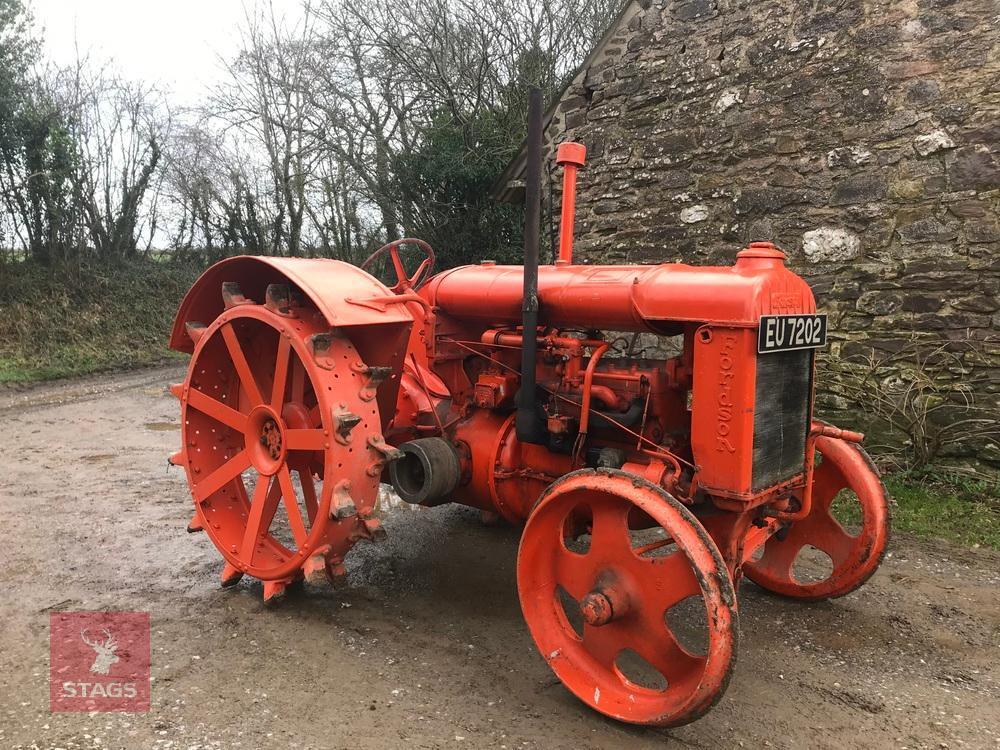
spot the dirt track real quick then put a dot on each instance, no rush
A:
(426, 648)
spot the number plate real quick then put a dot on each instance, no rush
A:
(782, 333)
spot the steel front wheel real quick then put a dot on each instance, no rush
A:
(840, 544)
(641, 626)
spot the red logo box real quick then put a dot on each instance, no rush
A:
(99, 661)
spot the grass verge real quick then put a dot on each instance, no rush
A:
(930, 505)
(62, 321)
(963, 512)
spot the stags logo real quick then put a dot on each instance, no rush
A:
(99, 661)
(105, 651)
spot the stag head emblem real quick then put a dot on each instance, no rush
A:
(105, 651)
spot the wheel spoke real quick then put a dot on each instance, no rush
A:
(603, 643)
(573, 572)
(295, 522)
(298, 390)
(780, 554)
(217, 410)
(262, 508)
(828, 535)
(609, 533)
(665, 581)
(280, 373)
(305, 440)
(827, 482)
(397, 264)
(309, 494)
(221, 476)
(659, 646)
(242, 366)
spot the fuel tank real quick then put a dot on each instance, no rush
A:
(629, 298)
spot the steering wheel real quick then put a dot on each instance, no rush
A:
(405, 283)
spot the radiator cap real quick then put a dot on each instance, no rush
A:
(760, 255)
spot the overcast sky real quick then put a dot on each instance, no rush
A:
(173, 42)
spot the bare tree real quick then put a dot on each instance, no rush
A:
(391, 73)
(265, 105)
(117, 127)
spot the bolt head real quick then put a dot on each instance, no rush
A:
(596, 609)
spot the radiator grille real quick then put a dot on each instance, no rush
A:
(781, 416)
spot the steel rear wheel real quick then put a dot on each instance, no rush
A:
(845, 484)
(601, 616)
(280, 442)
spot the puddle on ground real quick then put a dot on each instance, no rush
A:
(162, 426)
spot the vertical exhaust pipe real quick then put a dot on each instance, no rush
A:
(530, 422)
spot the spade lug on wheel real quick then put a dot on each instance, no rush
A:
(195, 525)
(321, 343)
(195, 331)
(314, 569)
(232, 295)
(374, 377)
(336, 573)
(278, 299)
(374, 530)
(389, 452)
(177, 390)
(230, 576)
(275, 592)
(177, 459)
(343, 506)
(344, 422)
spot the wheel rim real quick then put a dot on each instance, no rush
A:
(854, 557)
(267, 458)
(624, 593)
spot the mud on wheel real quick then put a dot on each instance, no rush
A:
(845, 484)
(599, 597)
(279, 440)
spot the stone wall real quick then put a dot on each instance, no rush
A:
(862, 136)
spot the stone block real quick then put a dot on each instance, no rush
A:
(932, 142)
(830, 244)
(849, 156)
(925, 230)
(974, 168)
(694, 214)
(982, 231)
(863, 188)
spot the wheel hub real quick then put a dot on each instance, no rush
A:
(265, 439)
(271, 438)
(603, 605)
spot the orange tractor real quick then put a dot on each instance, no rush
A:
(647, 485)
